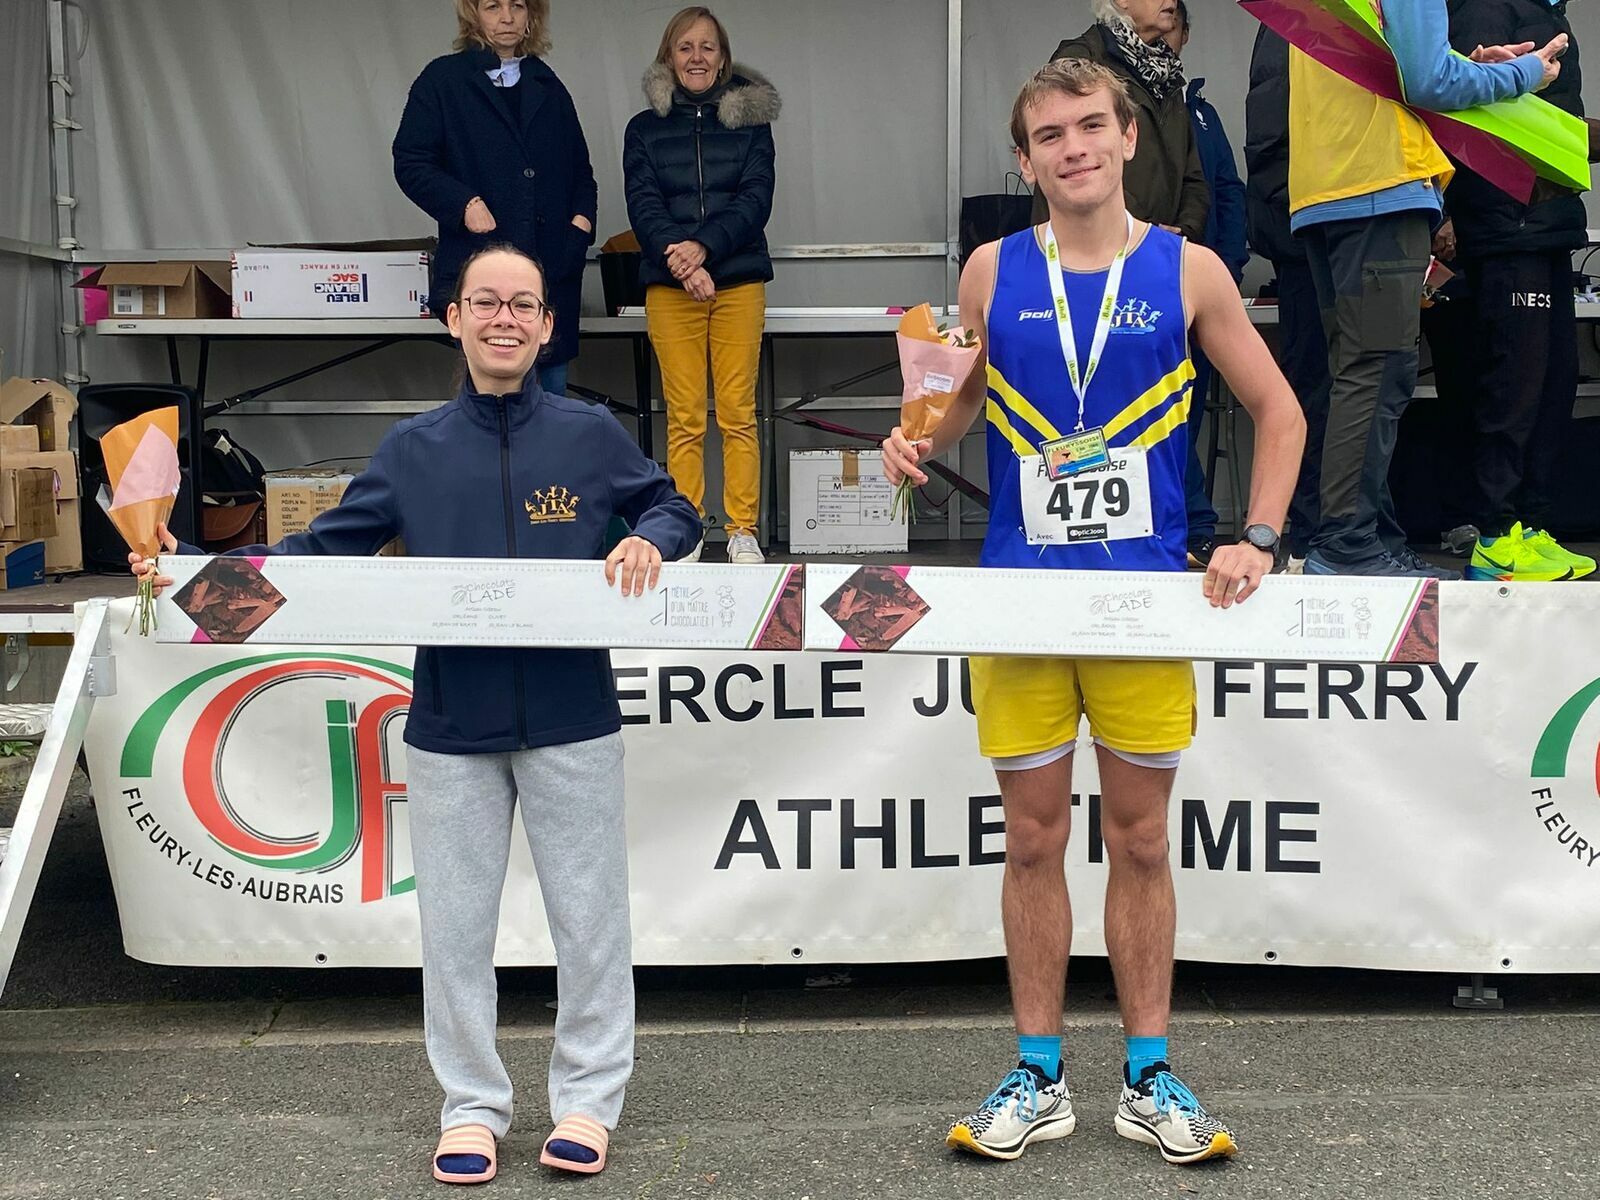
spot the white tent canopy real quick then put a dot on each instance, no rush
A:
(216, 123)
(211, 124)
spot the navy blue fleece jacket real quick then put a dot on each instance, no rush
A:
(457, 482)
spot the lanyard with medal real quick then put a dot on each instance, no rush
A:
(1083, 449)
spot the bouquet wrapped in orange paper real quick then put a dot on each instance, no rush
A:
(934, 365)
(141, 459)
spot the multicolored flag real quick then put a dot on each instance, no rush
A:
(1511, 143)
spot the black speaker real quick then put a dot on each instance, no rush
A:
(102, 406)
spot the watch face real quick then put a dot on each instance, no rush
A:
(1261, 537)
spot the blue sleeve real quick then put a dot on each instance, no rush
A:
(418, 156)
(1433, 76)
(644, 496)
(1228, 203)
(748, 212)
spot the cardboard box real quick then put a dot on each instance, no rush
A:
(19, 439)
(27, 504)
(839, 504)
(330, 283)
(63, 550)
(63, 554)
(180, 289)
(296, 497)
(23, 565)
(58, 490)
(42, 403)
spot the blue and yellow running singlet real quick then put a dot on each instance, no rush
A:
(1139, 395)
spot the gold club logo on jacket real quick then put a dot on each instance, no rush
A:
(554, 503)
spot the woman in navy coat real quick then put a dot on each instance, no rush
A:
(490, 147)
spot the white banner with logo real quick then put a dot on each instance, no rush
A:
(833, 807)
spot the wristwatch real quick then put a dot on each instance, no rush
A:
(1263, 537)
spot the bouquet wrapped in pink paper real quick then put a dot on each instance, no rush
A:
(934, 365)
(142, 464)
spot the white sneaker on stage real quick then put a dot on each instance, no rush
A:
(744, 550)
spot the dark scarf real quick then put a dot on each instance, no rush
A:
(1157, 67)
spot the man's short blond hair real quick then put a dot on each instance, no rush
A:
(1069, 77)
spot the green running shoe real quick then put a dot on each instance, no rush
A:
(1581, 564)
(1516, 558)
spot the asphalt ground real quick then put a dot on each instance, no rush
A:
(122, 1079)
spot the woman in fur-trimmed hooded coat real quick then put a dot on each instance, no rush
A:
(698, 170)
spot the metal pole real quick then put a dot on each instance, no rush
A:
(952, 213)
(952, 123)
(63, 200)
(89, 674)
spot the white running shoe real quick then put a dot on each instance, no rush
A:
(744, 550)
(694, 555)
(1026, 1107)
(1161, 1112)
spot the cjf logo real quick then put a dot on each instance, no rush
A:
(289, 832)
(1562, 802)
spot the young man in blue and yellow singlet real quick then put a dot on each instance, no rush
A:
(1086, 323)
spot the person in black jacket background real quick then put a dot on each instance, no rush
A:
(1302, 342)
(698, 166)
(1518, 347)
(1165, 182)
(491, 148)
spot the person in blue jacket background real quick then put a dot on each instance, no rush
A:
(491, 148)
(507, 470)
(1225, 235)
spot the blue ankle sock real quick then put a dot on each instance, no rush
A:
(573, 1152)
(1144, 1052)
(1041, 1052)
(463, 1164)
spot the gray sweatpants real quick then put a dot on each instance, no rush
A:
(461, 807)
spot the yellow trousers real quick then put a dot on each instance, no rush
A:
(684, 332)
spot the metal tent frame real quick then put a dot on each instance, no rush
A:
(70, 254)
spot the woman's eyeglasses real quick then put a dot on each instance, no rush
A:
(486, 306)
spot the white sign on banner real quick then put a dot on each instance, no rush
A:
(296, 600)
(1117, 614)
(832, 807)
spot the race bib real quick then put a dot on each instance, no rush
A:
(1107, 504)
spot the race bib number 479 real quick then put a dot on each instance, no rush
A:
(1109, 504)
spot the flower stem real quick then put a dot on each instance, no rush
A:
(145, 605)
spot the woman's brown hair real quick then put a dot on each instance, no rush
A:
(535, 41)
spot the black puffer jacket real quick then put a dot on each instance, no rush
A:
(1487, 220)
(700, 168)
(1266, 152)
